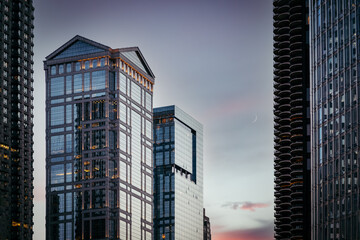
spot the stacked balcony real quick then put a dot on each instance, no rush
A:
(290, 118)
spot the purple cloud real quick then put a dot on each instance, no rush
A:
(261, 233)
(245, 205)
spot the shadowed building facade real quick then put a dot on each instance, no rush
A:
(16, 119)
(292, 119)
(335, 39)
(99, 142)
(207, 227)
(178, 175)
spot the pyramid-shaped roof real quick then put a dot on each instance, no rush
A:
(135, 56)
(77, 46)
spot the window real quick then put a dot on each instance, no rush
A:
(68, 67)
(86, 82)
(94, 63)
(57, 144)
(87, 64)
(53, 70)
(56, 115)
(98, 80)
(122, 83)
(102, 62)
(56, 86)
(68, 84)
(68, 113)
(135, 92)
(77, 83)
(61, 69)
(57, 174)
(148, 101)
(77, 66)
(68, 143)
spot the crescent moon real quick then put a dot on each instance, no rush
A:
(256, 117)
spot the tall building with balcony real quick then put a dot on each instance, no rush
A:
(99, 120)
(335, 39)
(292, 120)
(16, 119)
(178, 175)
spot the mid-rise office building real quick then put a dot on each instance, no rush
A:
(335, 39)
(16, 119)
(178, 175)
(292, 120)
(98, 142)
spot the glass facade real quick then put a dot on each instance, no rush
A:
(335, 39)
(99, 145)
(16, 119)
(178, 186)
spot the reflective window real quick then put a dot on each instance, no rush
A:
(57, 144)
(61, 68)
(77, 83)
(148, 101)
(68, 84)
(56, 86)
(87, 64)
(68, 172)
(135, 92)
(87, 82)
(98, 80)
(68, 113)
(57, 115)
(68, 143)
(77, 66)
(68, 67)
(95, 63)
(122, 83)
(53, 70)
(57, 174)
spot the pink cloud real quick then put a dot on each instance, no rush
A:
(261, 233)
(246, 205)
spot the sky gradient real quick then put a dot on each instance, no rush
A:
(213, 59)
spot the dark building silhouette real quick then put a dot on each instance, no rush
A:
(335, 65)
(99, 142)
(292, 120)
(207, 227)
(16, 119)
(178, 175)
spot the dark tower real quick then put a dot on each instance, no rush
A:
(16, 119)
(292, 120)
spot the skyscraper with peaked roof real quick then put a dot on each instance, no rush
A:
(16, 119)
(292, 120)
(178, 175)
(99, 142)
(335, 65)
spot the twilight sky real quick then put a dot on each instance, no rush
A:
(211, 58)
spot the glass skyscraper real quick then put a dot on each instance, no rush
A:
(291, 120)
(178, 175)
(335, 39)
(98, 143)
(16, 119)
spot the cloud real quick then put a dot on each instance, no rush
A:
(246, 205)
(265, 232)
